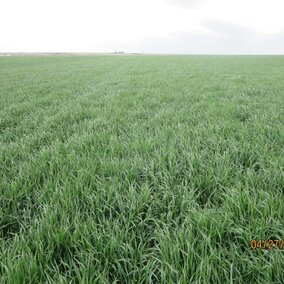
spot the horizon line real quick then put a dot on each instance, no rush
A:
(121, 53)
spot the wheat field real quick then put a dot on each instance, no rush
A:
(141, 169)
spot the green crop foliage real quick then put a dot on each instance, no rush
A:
(141, 169)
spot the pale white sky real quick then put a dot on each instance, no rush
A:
(151, 26)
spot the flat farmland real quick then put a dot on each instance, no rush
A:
(141, 169)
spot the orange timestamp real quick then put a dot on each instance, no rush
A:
(267, 244)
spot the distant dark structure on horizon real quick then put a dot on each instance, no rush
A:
(119, 52)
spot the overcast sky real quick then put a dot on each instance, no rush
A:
(150, 26)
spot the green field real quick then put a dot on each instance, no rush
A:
(141, 169)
